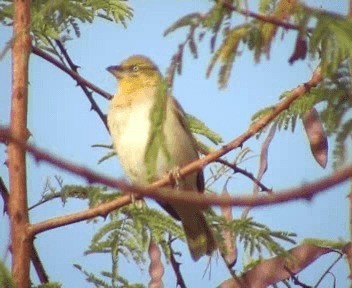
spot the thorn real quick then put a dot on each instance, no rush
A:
(307, 87)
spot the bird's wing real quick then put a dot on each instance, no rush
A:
(181, 116)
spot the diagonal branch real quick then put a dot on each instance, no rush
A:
(306, 191)
(244, 172)
(88, 93)
(73, 74)
(272, 270)
(261, 17)
(180, 282)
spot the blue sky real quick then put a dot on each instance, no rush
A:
(61, 121)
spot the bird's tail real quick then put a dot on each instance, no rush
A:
(199, 237)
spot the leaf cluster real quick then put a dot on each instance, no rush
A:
(255, 237)
(329, 39)
(130, 229)
(6, 279)
(333, 98)
(100, 283)
(59, 19)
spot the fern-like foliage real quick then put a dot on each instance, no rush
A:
(333, 98)
(101, 283)
(255, 237)
(130, 229)
(6, 279)
(329, 39)
(59, 19)
(127, 233)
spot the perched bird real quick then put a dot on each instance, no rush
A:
(130, 125)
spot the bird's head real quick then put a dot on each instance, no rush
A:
(136, 72)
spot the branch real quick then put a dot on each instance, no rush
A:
(176, 267)
(74, 67)
(273, 270)
(264, 18)
(5, 196)
(245, 173)
(347, 250)
(37, 263)
(306, 191)
(73, 74)
(38, 266)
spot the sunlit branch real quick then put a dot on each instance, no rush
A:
(18, 213)
(273, 270)
(305, 192)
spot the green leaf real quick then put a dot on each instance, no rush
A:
(227, 53)
(107, 156)
(325, 243)
(156, 142)
(199, 127)
(192, 19)
(5, 277)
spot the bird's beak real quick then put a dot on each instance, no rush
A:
(113, 69)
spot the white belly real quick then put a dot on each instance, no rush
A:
(129, 129)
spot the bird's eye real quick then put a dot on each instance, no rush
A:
(135, 68)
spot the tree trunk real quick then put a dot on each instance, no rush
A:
(21, 245)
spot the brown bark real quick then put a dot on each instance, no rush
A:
(20, 244)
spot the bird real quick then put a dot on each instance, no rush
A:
(129, 122)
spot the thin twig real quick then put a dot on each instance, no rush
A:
(328, 270)
(261, 17)
(38, 266)
(244, 172)
(37, 263)
(68, 71)
(47, 198)
(347, 250)
(176, 267)
(88, 93)
(295, 279)
(5, 195)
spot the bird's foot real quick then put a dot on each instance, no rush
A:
(175, 177)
